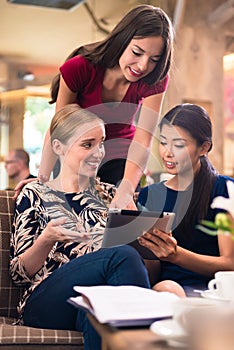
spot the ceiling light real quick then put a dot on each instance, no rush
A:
(26, 76)
(58, 4)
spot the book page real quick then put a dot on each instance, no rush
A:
(110, 303)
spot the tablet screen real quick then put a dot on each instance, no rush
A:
(124, 226)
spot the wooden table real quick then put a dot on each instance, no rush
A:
(128, 339)
(210, 331)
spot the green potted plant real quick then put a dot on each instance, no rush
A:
(224, 222)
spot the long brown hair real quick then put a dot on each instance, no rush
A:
(142, 21)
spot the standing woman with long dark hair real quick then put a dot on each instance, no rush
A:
(122, 78)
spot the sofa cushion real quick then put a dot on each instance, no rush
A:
(10, 294)
(10, 334)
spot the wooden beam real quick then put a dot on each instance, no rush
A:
(178, 14)
(222, 14)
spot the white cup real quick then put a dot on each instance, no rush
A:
(185, 310)
(214, 331)
(223, 285)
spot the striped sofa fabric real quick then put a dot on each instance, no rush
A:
(22, 337)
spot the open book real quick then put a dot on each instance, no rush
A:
(124, 305)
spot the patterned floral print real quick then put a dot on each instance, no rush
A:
(36, 205)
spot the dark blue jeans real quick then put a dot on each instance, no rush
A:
(47, 307)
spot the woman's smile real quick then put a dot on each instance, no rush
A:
(135, 73)
(169, 165)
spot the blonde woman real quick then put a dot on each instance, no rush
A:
(58, 230)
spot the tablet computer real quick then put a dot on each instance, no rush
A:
(124, 226)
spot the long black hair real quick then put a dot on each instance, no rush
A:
(196, 121)
(142, 21)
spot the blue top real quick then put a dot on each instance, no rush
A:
(158, 197)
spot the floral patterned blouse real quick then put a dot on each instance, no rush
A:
(36, 205)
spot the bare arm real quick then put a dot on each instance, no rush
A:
(204, 264)
(139, 151)
(65, 95)
(48, 158)
(165, 247)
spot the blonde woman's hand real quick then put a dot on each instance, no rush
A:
(56, 232)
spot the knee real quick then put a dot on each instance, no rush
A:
(170, 286)
(129, 253)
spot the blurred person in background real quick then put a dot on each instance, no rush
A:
(17, 166)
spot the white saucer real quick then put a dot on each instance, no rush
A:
(170, 331)
(211, 295)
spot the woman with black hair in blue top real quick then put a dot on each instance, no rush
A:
(189, 256)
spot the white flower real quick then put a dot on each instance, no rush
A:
(225, 203)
